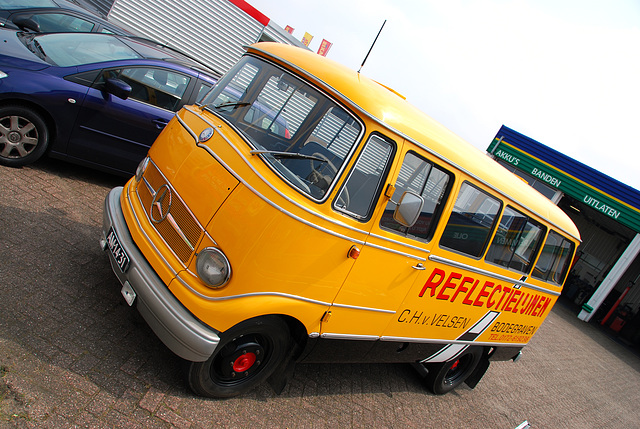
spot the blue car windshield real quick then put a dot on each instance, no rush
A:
(73, 49)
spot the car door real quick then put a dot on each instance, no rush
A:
(394, 256)
(116, 133)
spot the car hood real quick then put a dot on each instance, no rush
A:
(14, 53)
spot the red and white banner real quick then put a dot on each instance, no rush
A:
(324, 47)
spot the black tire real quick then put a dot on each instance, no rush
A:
(24, 136)
(246, 356)
(446, 376)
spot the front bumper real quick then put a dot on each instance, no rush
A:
(178, 329)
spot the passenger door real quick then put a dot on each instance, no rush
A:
(394, 256)
(117, 133)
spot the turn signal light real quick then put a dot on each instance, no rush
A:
(354, 252)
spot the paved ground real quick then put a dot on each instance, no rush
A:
(73, 354)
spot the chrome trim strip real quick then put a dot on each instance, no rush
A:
(410, 246)
(487, 273)
(397, 252)
(355, 106)
(328, 219)
(437, 341)
(282, 295)
(356, 307)
(252, 294)
(331, 336)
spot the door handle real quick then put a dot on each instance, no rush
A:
(160, 123)
(419, 267)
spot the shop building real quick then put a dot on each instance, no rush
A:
(604, 282)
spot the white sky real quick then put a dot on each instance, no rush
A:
(563, 72)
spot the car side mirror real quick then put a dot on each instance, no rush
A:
(408, 209)
(25, 23)
(118, 87)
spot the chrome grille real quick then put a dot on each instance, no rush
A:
(179, 229)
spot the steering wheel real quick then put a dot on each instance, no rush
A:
(321, 180)
(324, 160)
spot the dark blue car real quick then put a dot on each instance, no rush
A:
(95, 99)
(54, 16)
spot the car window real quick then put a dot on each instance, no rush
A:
(202, 91)
(471, 222)
(424, 178)
(516, 241)
(160, 87)
(357, 196)
(61, 22)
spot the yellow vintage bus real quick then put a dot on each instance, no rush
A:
(306, 213)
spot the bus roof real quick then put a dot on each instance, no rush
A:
(393, 111)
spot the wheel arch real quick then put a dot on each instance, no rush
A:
(44, 113)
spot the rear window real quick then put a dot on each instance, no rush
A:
(555, 259)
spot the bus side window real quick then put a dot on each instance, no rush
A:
(555, 259)
(359, 190)
(472, 219)
(426, 179)
(516, 241)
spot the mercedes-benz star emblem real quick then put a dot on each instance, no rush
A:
(205, 135)
(161, 204)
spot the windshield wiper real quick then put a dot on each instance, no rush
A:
(232, 104)
(278, 154)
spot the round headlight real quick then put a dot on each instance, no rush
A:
(141, 168)
(213, 267)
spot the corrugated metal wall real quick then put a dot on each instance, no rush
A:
(213, 31)
(103, 6)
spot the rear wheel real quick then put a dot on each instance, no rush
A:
(246, 356)
(23, 136)
(446, 376)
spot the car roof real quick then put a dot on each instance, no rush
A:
(12, 8)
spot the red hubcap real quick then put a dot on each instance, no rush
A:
(244, 362)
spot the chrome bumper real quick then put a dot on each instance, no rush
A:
(172, 323)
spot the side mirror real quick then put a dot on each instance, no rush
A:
(117, 87)
(408, 209)
(26, 24)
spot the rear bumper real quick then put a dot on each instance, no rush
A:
(178, 329)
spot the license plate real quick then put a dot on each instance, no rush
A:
(118, 253)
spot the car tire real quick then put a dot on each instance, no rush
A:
(24, 136)
(246, 356)
(445, 377)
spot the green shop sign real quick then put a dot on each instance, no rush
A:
(555, 178)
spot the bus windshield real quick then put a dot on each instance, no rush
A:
(302, 134)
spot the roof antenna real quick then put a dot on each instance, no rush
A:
(374, 42)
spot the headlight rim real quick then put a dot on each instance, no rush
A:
(227, 265)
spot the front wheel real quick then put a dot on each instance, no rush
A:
(246, 356)
(23, 136)
(446, 376)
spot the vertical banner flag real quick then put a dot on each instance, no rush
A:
(324, 47)
(289, 29)
(306, 39)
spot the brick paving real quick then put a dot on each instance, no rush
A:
(73, 354)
